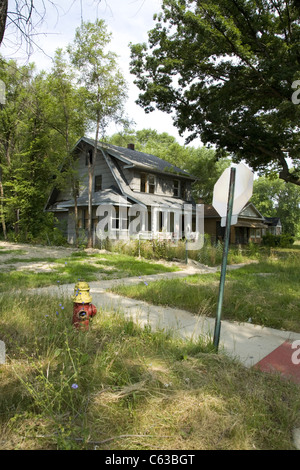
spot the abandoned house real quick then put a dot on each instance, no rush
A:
(127, 183)
(274, 225)
(125, 179)
(251, 225)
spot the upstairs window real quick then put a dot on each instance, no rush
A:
(98, 183)
(89, 157)
(143, 182)
(183, 190)
(176, 188)
(151, 184)
(148, 183)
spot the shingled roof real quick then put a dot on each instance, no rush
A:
(134, 158)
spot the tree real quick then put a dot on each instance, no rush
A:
(274, 198)
(3, 16)
(17, 80)
(226, 70)
(42, 119)
(24, 19)
(68, 118)
(104, 84)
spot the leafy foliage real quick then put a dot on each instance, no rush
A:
(225, 70)
(274, 198)
(44, 115)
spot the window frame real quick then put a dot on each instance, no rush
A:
(96, 184)
(89, 157)
(176, 189)
(148, 183)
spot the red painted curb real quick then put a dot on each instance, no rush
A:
(284, 360)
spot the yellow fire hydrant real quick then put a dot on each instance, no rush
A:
(83, 309)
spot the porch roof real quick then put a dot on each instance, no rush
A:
(250, 224)
(110, 196)
(107, 196)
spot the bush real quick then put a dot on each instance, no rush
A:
(285, 240)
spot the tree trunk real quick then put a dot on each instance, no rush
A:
(2, 210)
(17, 223)
(76, 216)
(90, 205)
(91, 173)
(3, 16)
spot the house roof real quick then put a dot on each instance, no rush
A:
(210, 212)
(107, 196)
(134, 158)
(273, 221)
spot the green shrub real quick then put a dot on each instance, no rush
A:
(285, 240)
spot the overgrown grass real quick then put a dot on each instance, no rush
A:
(119, 386)
(265, 293)
(11, 252)
(79, 266)
(210, 254)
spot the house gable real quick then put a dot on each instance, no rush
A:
(101, 168)
(250, 211)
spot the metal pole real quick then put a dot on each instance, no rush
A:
(224, 259)
(186, 253)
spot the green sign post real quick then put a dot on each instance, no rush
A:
(224, 259)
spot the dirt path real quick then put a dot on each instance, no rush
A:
(32, 251)
(33, 256)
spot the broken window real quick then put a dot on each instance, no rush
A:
(98, 183)
(89, 157)
(176, 188)
(147, 183)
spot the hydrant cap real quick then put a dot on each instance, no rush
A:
(82, 293)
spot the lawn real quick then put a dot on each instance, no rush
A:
(264, 293)
(79, 265)
(120, 387)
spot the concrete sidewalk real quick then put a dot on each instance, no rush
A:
(248, 343)
(253, 345)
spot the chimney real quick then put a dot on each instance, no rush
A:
(130, 146)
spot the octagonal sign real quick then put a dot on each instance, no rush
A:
(242, 192)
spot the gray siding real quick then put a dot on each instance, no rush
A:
(164, 184)
(100, 168)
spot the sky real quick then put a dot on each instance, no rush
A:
(127, 20)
